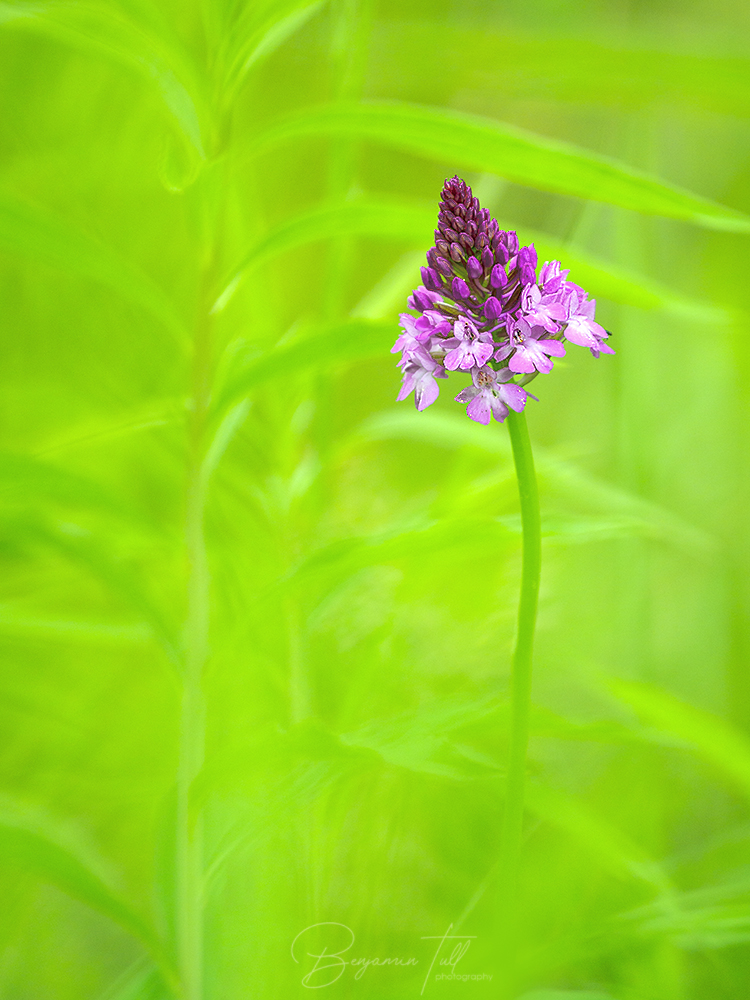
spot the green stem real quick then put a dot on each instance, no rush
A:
(520, 685)
(192, 726)
(189, 853)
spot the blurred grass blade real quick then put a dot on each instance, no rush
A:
(611, 847)
(714, 739)
(425, 741)
(81, 548)
(323, 347)
(90, 632)
(33, 845)
(104, 31)
(222, 438)
(413, 223)
(26, 481)
(623, 509)
(601, 278)
(324, 567)
(633, 71)
(604, 279)
(408, 222)
(40, 235)
(474, 143)
(142, 981)
(441, 429)
(256, 37)
(713, 916)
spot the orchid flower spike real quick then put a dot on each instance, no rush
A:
(482, 310)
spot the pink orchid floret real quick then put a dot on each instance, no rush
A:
(410, 341)
(491, 395)
(529, 350)
(418, 337)
(552, 277)
(580, 326)
(544, 310)
(421, 379)
(468, 348)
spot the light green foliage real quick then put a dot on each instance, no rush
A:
(256, 619)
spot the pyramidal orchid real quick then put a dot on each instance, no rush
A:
(482, 308)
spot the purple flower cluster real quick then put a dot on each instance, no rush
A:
(482, 309)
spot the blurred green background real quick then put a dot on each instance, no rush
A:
(255, 618)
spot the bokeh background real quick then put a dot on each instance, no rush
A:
(255, 618)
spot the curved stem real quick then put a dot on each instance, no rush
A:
(189, 874)
(520, 685)
(189, 861)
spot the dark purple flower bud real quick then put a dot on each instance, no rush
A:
(473, 268)
(460, 289)
(527, 255)
(457, 254)
(444, 266)
(528, 274)
(442, 247)
(511, 241)
(419, 301)
(451, 235)
(498, 277)
(475, 204)
(493, 308)
(431, 280)
(487, 259)
(466, 241)
(471, 229)
(481, 241)
(460, 224)
(501, 254)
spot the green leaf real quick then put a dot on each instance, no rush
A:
(142, 981)
(413, 223)
(418, 536)
(471, 142)
(321, 347)
(107, 33)
(404, 221)
(711, 917)
(35, 845)
(259, 33)
(80, 547)
(608, 845)
(90, 632)
(548, 724)
(714, 739)
(28, 481)
(425, 741)
(605, 279)
(40, 235)
(634, 71)
(624, 511)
